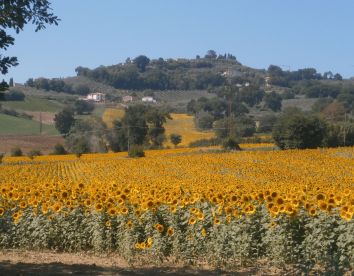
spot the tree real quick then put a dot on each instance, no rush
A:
(273, 101)
(210, 54)
(64, 121)
(33, 153)
(14, 95)
(16, 152)
(135, 124)
(175, 139)
(234, 127)
(205, 121)
(82, 107)
(81, 89)
(156, 118)
(296, 130)
(141, 62)
(266, 123)
(87, 135)
(15, 15)
(59, 150)
(338, 77)
(30, 82)
(117, 138)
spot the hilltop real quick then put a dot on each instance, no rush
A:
(191, 87)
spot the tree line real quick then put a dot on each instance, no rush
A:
(141, 125)
(58, 85)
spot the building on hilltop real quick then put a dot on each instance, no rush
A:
(96, 97)
(127, 99)
(148, 100)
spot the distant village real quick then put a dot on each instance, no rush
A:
(99, 97)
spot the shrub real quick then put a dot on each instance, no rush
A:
(59, 149)
(14, 95)
(299, 131)
(205, 122)
(230, 144)
(175, 139)
(205, 143)
(31, 154)
(136, 151)
(16, 152)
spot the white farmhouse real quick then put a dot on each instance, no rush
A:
(148, 100)
(127, 99)
(96, 97)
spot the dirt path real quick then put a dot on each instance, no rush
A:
(20, 262)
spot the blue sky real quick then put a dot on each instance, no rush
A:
(292, 34)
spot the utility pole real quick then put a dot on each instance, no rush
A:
(128, 138)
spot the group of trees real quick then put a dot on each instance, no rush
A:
(13, 95)
(58, 85)
(296, 129)
(141, 125)
(232, 101)
(288, 78)
(160, 74)
(137, 77)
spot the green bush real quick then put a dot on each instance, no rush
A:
(16, 152)
(175, 139)
(230, 144)
(59, 150)
(205, 143)
(136, 151)
(31, 154)
(296, 130)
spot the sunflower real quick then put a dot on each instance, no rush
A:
(16, 216)
(112, 212)
(44, 208)
(312, 211)
(203, 232)
(320, 197)
(279, 201)
(323, 206)
(346, 216)
(56, 207)
(149, 241)
(129, 224)
(2, 211)
(228, 210)
(124, 211)
(87, 202)
(170, 231)
(108, 224)
(98, 207)
(159, 227)
(173, 209)
(23, 204)
(217, 221)
(192, 221)
(64, 195)
(200, 216)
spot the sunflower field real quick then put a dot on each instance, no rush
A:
(227, 209)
